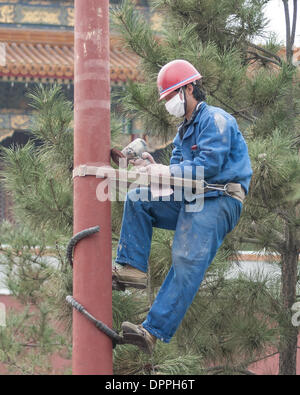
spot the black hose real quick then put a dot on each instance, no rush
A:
(76, 238)
(117, 339)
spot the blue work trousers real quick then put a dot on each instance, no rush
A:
(198, 235)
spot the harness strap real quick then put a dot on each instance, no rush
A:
(234, 190)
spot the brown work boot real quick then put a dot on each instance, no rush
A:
(128, 276)
(138, 336)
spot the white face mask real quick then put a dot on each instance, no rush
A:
(175, 106)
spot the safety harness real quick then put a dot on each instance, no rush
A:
(231, 189)
(234, 190)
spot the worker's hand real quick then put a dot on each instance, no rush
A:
(144, 161)
(156, 169)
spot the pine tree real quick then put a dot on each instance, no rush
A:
(234, 320)
(38, 177)
(261, 90)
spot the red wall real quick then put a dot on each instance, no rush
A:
(268, 366)
(60, 365)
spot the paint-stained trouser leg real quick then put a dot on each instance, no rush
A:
(197, 239)
(139, 218)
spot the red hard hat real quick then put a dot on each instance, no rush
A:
(174, 75)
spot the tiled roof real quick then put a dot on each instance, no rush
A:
(31, 55)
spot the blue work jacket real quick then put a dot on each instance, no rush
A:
(213, 140)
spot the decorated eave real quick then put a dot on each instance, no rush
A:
(48, 56)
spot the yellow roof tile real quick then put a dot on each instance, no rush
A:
(43, 54)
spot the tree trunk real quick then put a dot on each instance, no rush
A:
(288, 346)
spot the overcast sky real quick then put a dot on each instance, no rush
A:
(275, 13)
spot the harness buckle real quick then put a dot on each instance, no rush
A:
(226, 186)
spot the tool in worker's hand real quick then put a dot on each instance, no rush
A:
(132, 152)
(145, 160)
(135, 149)
(136, 154)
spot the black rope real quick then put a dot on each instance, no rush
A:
(116, 339)
(76, 238)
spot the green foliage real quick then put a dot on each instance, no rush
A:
(52, 127)
(232, 321)
(223, 66)
(128, 306)
(28, 341)
(135, 101)
(224, 22)
(40, 178)
(165, 360)
(26, 263)
(137, 34)
(29, 338)
(33, 249)
(267, 88)
(236, 320)
(274, 168)
(161, 255)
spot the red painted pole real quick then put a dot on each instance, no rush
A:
(92, 350)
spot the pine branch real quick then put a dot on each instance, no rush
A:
(265, 357)
(282, 214)
(61, 258)
(36, 345)
(276, 239)
(54, 196)
(249, 240)
(264, 59)
(9, 362)
(226, 369)
(137, 34)
(268, 53)
(241, 114)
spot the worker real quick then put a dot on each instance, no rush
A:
(207, 138)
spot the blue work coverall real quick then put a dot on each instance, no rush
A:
(213, 141)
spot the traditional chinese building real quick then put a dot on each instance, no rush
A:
(36, 46)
